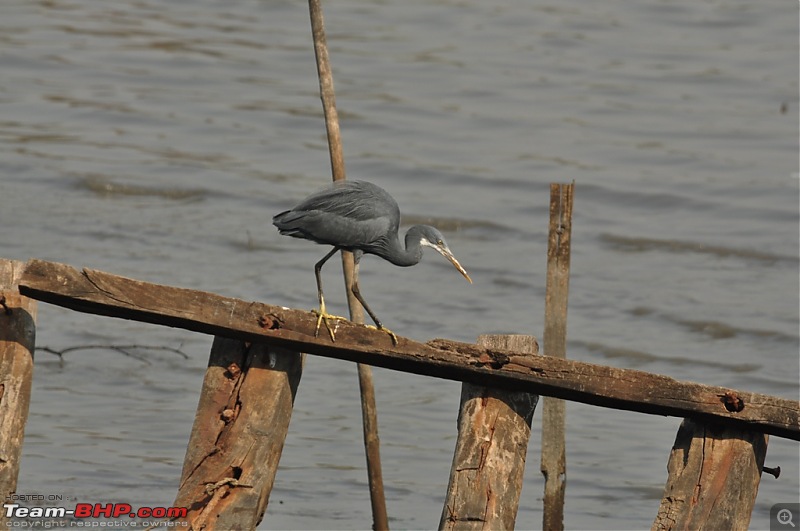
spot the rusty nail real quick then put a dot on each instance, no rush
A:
(234, 371)
(732, 402)
(269, 321)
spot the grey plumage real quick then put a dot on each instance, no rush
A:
(361, 217)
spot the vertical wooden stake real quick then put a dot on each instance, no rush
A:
(554, 462)
(714, 473)
(17, 338)
(238, 434)
(494, 427)
(326, 90)
(380, 519)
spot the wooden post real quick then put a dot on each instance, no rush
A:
(369, 411)
(493, 431)
(714, 472)
(238, 434)
(554, 461)
(17, 338)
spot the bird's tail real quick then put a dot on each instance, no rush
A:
(288, 224)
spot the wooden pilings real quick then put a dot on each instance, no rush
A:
(494, 426)
(238, 434)
(714, 473)
(17, 338)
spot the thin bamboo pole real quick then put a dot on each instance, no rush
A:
(368, 408)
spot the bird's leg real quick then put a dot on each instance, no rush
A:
(322, 314)
(379, 326)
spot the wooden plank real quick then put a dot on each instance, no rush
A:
(554, 460)
(241, 422)
(105, 294)
(494, 426)
(714, 473)
(17, 339)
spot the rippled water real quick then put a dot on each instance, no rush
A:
(156, 140)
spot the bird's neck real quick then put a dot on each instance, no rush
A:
(408, 256)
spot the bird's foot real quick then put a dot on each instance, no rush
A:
(384, 329)
(322, 315)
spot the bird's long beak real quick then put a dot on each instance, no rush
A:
(447, 254)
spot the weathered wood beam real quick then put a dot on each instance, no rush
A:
(17, 337)
(105, 294)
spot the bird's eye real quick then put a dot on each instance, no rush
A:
(439, 242)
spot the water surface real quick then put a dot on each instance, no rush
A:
(156, 140)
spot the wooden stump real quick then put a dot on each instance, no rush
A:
(17, 338)
(238, 434)
(714, 472)
(494, 427)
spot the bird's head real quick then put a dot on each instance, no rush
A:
(431, 237)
